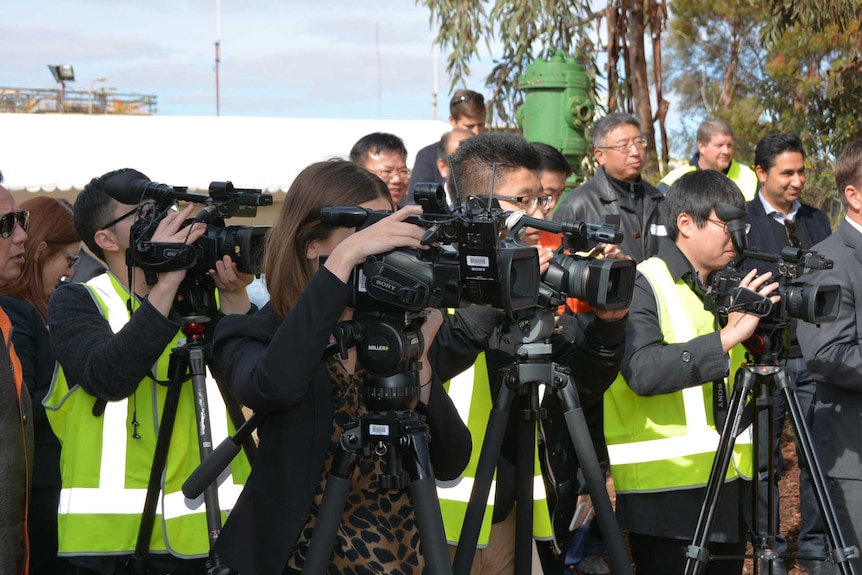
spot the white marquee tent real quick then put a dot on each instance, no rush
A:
(51, 153)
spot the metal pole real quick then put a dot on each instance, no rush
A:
(217, 58)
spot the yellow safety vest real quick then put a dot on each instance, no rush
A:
(470, 391)
(743, 176)
(105, 471)
(668, 441)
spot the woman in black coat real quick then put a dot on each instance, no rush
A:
(275, 361)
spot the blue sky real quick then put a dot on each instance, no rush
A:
(333, 58)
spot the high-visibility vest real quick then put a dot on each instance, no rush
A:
(743, 176)
(668, 441)
(470, 391)
(105, 471)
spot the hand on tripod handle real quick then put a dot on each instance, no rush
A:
(741, 325)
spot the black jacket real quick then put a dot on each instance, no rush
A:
(762, 238)
(276, 364)
(641, 232)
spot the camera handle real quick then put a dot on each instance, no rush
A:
(185, 360)
(533, 366)
(748, 378)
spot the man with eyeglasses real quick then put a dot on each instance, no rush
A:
(659, 414)
(715, 152)
(618, 189)
(466, 111)
(16, 410)
(472, 347)
(112, 337)
(779, 219)
(384, 155)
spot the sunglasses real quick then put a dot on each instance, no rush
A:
(469, 96)
(12, 219)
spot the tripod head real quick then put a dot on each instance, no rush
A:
(388, 345)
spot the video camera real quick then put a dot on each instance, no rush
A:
(244, 244)
(805, 302)
(468, 262)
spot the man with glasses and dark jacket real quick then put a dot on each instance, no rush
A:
(618, 189)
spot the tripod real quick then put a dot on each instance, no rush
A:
(762, 378)
(185, 360)
(403, 440)
(534, 366)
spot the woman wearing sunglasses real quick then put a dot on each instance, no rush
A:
(50, 251)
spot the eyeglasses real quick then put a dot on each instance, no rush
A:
(530, 203)
(790, 227)
(390, 173)
(468, 97)
(71, 259)
(624, 147)
(112, 223)
(723, 225)
(12, 219)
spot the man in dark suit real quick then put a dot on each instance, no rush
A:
(834, 354)
(779, 219)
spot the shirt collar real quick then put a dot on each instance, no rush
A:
(776, 214)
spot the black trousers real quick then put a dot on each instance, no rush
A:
(664, 556)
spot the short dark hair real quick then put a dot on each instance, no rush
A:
(553, 159)
(708, 128)
(476, 157)
(696, 194)
(467, 103)
(607, 124)
(774, 145)
(848, 170)
(374, 144)
(93, 209)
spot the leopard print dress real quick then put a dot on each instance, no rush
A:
(378, 531)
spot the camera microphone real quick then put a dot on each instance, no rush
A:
(129, 186)
(603, 233)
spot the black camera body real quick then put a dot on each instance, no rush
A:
(244, 244)
(806, 302)
(466, 262)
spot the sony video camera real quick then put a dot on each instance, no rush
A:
(799, 300)
(466, 261)
(244, 244)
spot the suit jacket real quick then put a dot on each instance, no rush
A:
(833, 352)
(761, 236)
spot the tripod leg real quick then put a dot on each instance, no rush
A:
(526, 443)
(842, 553)
(429, 519)
(482, 483)
(697, 551)
(338, 484)
(178, 365)
(580, 434)
(197, 366)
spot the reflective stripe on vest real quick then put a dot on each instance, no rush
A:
(470, 392)
(668, 441)
(103, 475)
(741, 175)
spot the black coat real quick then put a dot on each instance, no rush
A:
(762, 238)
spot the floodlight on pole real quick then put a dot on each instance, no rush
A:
(62, 73)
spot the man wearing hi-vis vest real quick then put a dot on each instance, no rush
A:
(113, 341)
(715, 152)
(659, 420)
(472, 342)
